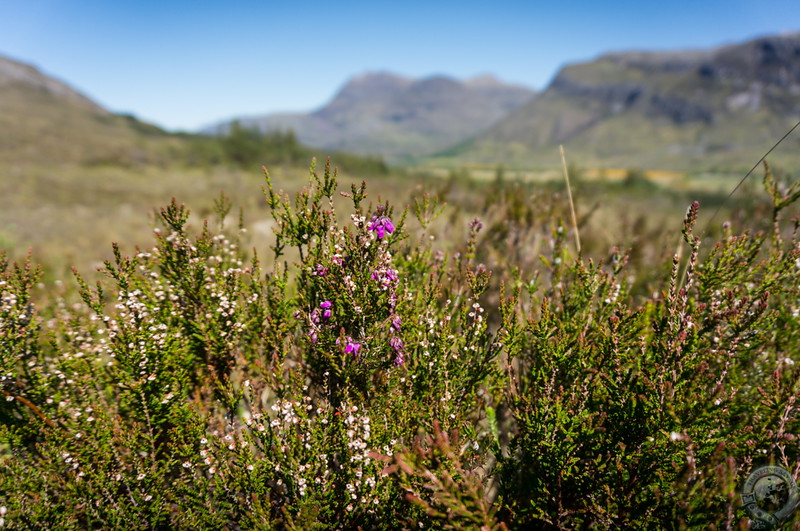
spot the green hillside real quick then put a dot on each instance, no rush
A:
(705, 110)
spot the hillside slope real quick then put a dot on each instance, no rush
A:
(46, 121)
(720, 108)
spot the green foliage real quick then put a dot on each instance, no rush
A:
(636, 178)
(376, 376)
(250, 148)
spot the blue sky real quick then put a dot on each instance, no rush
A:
(185, 64)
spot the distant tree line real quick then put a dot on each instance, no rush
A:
(248, 147)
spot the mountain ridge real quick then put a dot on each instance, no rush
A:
(677, 109)
(397, 116)
(719, 108)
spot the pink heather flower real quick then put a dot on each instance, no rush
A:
(398, 346)
(380, 225)
(396, 323)
(320, 271)
(397, 343)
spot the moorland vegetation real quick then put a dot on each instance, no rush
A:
(432, 356)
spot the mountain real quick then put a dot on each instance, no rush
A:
(46, 121)
(392, 116)
(712, 109)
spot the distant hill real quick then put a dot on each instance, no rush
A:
(392, 116)
(719, 108)
(44, 120)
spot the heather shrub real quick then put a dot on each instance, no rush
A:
(375, 370)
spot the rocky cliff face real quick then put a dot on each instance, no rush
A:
(773, 62)
(698, 86)
(732, 99)
(690, 87)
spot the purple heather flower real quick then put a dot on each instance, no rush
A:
(352, 346)
(399, 360)
(385, 277)
(381, 225)
(326, 314)
(320, 271)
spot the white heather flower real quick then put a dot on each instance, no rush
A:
(675, 436)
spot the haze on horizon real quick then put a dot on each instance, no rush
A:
(183, 65)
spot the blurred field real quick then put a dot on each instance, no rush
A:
(70, 214)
